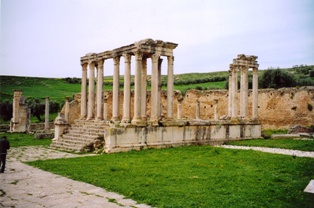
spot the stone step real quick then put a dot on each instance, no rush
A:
(86, 132)
(61, 146)
(80, 137)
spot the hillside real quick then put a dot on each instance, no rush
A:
(58, 88)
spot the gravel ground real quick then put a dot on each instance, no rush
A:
(297, 153)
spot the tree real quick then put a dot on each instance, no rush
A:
(37, 107)
(276, 78)
(6, 110)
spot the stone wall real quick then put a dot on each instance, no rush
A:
(278, 109)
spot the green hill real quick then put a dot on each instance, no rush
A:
(58, 88)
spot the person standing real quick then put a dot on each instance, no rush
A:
(4, 146)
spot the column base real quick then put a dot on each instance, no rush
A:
(138, 122)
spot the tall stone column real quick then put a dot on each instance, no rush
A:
(160, 107)
(83, 91)
(170, 88)
(144, 88)
(100, 82)
(235, 92)
(244, 92)
(154, 90)
(47, 113)
(230, 91)
(66, 109)
(137, 88)
(91, 91)
(255, 94)
(115, 89)
(127, 89)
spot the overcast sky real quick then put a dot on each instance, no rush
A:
(46, 38)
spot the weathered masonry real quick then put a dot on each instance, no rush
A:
(146, 126)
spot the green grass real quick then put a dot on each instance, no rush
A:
(18, 140)
(195, 176)
(304, 145)
(55, 88)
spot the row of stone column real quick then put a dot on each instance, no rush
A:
(233, 99)
(140, 85)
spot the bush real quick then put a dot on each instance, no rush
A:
(276, 78)
(6, 110)
(305, 82)
(312, 73)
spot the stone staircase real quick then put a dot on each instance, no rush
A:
(81, 136)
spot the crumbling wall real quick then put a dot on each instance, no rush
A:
(277, 109)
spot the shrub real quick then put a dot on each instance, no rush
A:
(276, 78)
(6, 110)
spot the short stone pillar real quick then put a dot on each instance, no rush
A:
(20, 119)
(179, 107)
(198, 108)
(60, 126)
(215, 109)
(47, 113)
(66, 109)
(105, 108)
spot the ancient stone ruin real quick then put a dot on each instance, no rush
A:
(151, 123)
(20, 121)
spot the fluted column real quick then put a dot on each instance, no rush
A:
(90, 113)
(115, 89)
(235, 92)
(137, 88)
(154, 90)
(230, 92)
(127, 89)
(100, 82)
(84, 91)
(255, 94)
(170, 88)
(47, 113)
(144, 88)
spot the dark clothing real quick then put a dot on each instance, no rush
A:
(4, 146)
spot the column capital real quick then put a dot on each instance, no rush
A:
(155, 57)
(138, 54)
(84, 66)
(127, 58)
(100, 63)
(116, 60)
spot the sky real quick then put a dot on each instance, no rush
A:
(47, 38)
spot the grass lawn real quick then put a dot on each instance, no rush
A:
(296, 144)
(18, 140)
(195, 176)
